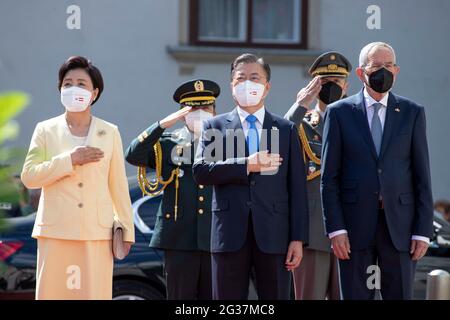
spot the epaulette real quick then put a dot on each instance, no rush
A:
(312, 117)
(172, 135)
(307, 116)
(167, 134)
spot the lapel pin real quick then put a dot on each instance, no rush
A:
(101, 133)
(397, 109)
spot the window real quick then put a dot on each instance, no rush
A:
(249, 23)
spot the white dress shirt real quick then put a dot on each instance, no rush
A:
(369, 102)
(259, 123)
(317, 109)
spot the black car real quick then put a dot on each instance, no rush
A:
(139, 276)
(437, 257)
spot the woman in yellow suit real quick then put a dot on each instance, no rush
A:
(77, 160)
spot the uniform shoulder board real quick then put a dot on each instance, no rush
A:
(175, 135)
(307, 116)
(169, 136)
(312, 117)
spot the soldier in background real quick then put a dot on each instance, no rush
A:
(183, 224)
(317, 277)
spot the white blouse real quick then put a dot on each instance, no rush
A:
(79, 141)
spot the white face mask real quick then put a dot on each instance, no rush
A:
(194, 120)
(248, 93)
(75, 99)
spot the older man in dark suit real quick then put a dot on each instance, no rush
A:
(376, 188)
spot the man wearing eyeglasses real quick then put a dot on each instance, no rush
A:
(376, 185)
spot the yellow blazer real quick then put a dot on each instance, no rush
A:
(81, 202)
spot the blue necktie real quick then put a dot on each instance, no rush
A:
(252, 135)
(376, 129)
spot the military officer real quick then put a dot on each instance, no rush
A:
(183, 224)
(317, 276)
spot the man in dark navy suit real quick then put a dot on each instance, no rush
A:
(376, 185)
(260, 214)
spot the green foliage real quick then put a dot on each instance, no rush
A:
(11, 104)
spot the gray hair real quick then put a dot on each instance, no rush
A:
(364, 54)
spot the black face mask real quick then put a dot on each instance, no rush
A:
(330, 92)
(381, 80)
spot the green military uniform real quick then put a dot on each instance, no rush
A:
(317, 276)
(183, 222)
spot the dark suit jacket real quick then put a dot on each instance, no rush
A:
(277, 202)
(353, 176)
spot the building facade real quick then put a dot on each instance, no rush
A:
(146, 48)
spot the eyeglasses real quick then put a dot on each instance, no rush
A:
(253, 77)
(387, 65)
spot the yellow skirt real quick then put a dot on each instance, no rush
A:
(74, 269)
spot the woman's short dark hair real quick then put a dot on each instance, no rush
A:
(77, 62)
(250, 58)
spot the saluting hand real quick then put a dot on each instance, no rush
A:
(294, 255)
(171, 119)
(307, 95)
(81, 155)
